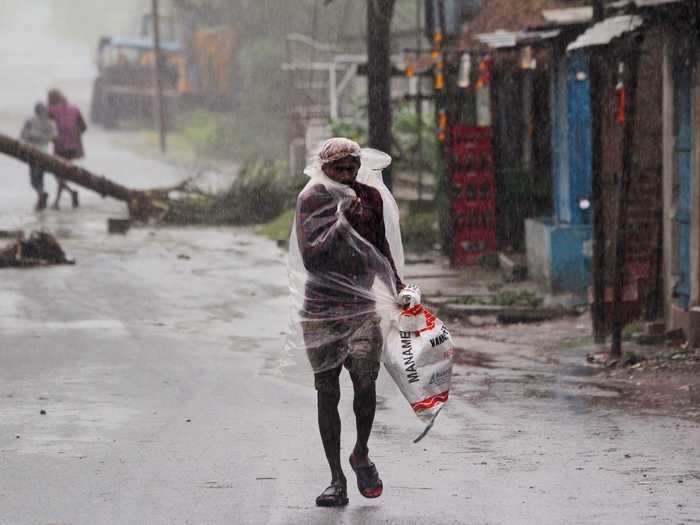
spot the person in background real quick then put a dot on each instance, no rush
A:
(69, 144)
(38, 131)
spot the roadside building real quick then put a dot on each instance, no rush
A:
(677, 21)
(541, 128)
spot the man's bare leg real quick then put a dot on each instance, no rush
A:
(364, 405)
(61, 187)
(329, 425)
(328, 394)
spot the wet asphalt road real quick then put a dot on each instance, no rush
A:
(157, 359)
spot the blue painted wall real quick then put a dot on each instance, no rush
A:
(555, 254)
(684, 176)
(580, 143)
(560, 142)
(571, 137)
(563, 265)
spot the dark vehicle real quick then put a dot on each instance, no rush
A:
(197, 67)
(125, 85)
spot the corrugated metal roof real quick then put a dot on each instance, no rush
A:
(606, 31)
(504, 39)
(653, 3)
(568, 16)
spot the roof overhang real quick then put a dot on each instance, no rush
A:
(508, 39)
(568, 16)
(602, 33)
(655, 3)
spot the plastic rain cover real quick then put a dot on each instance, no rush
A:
(344, 287)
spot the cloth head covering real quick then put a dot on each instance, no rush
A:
(338, 148)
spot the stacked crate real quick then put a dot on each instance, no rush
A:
(473, 190)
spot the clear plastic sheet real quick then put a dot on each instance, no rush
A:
(343, 285)
(345, 267)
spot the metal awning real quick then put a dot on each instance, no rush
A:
(568, 16)
(505, 39)
(604, 32)
(654, 3)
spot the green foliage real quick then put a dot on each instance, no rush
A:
(260, 193)
(280, 228)
(420, 231)
(355, 130)
(405, 129)
(576, 342)
(408, 149)
(242, 135)
(200, 130)
(489, 261)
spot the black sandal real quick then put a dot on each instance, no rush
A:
(368, 482)
(335, 495)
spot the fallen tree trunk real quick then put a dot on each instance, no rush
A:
(70, 172)
(142, 204)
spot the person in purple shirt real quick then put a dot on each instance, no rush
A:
(68, 144)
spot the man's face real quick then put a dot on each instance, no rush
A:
(343, 170)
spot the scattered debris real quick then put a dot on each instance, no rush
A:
(522, 298)
(630, 359)
(120, 226)
(513, 266)
(535, 315)
(675, 336)
(40, 249)
(9, 234)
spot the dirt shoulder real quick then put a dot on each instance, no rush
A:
(667, 380)
(661, 381)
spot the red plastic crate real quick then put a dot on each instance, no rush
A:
(464, 208)
(469, 157)
(480, 220)
(472, 193)
(469, 245)
(459, 133)
(466, 177)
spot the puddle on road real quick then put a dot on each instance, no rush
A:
(571, 392)
(105, 327)
(473, 358)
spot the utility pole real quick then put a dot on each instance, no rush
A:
(599, 248)
(623, 200)
(158, 62)
(419, 98)
(379, 72)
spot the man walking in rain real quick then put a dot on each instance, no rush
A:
(346, 239)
